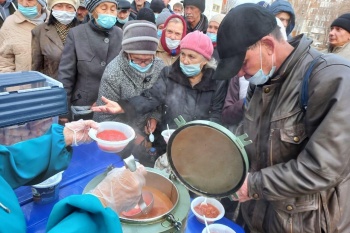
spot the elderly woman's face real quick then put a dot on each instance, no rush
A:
(190, 57)
(28, 3)
(107, 8)
(64, 7)
(338, 36)
(174, 30)
(213, 27)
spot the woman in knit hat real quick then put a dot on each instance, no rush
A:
(212, 30)
(134, 70)
(15, 35)
(162, 17)
(88, 49)
(186, 88)
(48, 39)
(172, 34)
(339, 36)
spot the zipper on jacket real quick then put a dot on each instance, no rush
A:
(290, 220)
(5, 208)
(271, 163)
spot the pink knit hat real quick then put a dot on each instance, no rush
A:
(198, 42)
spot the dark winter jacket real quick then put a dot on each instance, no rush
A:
(173, 90)
(134, 11)
(87, 51)
(299, 161)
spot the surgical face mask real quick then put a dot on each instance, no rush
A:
(140, 68)
(64, 17)
(190, 70)
(29, 12)
(212, 37)
(106, 21)
(172, 44)
(123, 21)
(260, 78)
(159, 33)
(156, 15)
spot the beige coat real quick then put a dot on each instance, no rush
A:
(15, 43)
(162, 54)
(343, 51)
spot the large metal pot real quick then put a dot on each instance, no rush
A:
(207, 158)
(172, 221)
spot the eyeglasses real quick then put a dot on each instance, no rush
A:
(141, 61)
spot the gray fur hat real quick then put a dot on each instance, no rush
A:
(140, 37)
(163, 16)
(92, 4)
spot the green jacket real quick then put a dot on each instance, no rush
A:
(72, 214)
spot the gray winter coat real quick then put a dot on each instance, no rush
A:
(87, 51)
(299, 161)
(121, 81)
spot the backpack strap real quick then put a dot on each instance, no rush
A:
(304, 94)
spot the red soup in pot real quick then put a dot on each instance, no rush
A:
(208, 210)
(111, 135)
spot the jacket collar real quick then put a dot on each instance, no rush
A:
(51, 33)
(19, 18)
(206, 84)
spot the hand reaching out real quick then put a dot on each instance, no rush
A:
(110, 106)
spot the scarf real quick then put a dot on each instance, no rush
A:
(62, 30)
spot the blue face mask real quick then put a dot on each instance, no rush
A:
(159, 33)
(190, 70)
(212, 37)
(123, 21)
(156, 15)
(260, 78)
(106, 21)
(29, 12)
(140, 68)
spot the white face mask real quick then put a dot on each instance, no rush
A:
(64, 17)
(172, 44)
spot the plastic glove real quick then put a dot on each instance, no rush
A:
(121, 189)
(76, 132)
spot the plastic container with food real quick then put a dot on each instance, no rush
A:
(111, 136)
(48, 190)
(213, 209)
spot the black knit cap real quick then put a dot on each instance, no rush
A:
(343, 22)
(157, 6)
(146, 14)
(242, 27)
(197, 3)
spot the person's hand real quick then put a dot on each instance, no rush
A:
(121, 189)
(151, 125)
(109, 107)
(63, 121)
(76, 132)
(242, 194)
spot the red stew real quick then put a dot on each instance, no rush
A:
(111, 135)
(208, 210)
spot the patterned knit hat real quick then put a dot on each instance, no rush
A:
(52, 3)
(92, 4)
(199, 42)
(140, 37)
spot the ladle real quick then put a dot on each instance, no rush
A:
(130, 164)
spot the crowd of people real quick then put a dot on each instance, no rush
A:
(145, 63)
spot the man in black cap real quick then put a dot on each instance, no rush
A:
(194, 16)
(299, 175)
(124, 13)
(339, 36)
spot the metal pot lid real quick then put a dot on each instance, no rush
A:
(207, 158)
